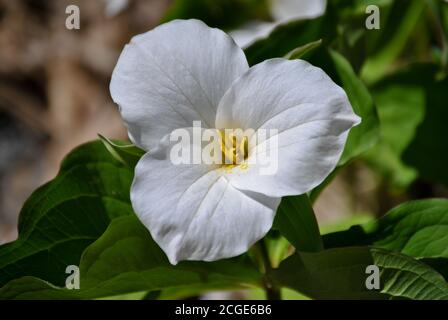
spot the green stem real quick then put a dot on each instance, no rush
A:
(272, 292)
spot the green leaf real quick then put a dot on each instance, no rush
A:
(299, 52)
(341, 274)
(223, 14)
(388, 43)
(416, 228)
(297, 222)
(127, 154)
(405, 277)
(67, 214)
(125, 259)
(401, 103)
(364, 136)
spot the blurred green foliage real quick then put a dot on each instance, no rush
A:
(224, 14)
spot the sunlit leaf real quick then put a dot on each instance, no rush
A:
(416, 228)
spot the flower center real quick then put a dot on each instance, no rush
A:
(234, 148)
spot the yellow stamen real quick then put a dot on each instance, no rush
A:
(234, 149)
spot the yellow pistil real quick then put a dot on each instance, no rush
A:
(234, 150)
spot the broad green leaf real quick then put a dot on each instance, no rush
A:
(364, 136)
(405, 277)
(438, 264)
(127, 154)
(416, 228)
(279, 248)
(296, 221)
(67, 214)
(125, 259)
(341, 274)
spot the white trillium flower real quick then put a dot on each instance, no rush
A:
(183, 71)
(282, 11)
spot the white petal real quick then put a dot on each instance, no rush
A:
(283, 11)
(173, 75)
(194, 213)
(311, 113)
(114, 7)
(251, 32)
(286, 10)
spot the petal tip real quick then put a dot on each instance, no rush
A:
(357, 120)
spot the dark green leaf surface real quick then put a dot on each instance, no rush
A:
(299, 52)
(296, 221)
(127, 154)
(405, 277)
(364, 136)
(125, 259)
(67, 214)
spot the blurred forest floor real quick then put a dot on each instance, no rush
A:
(54, 87)
(54, 95)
